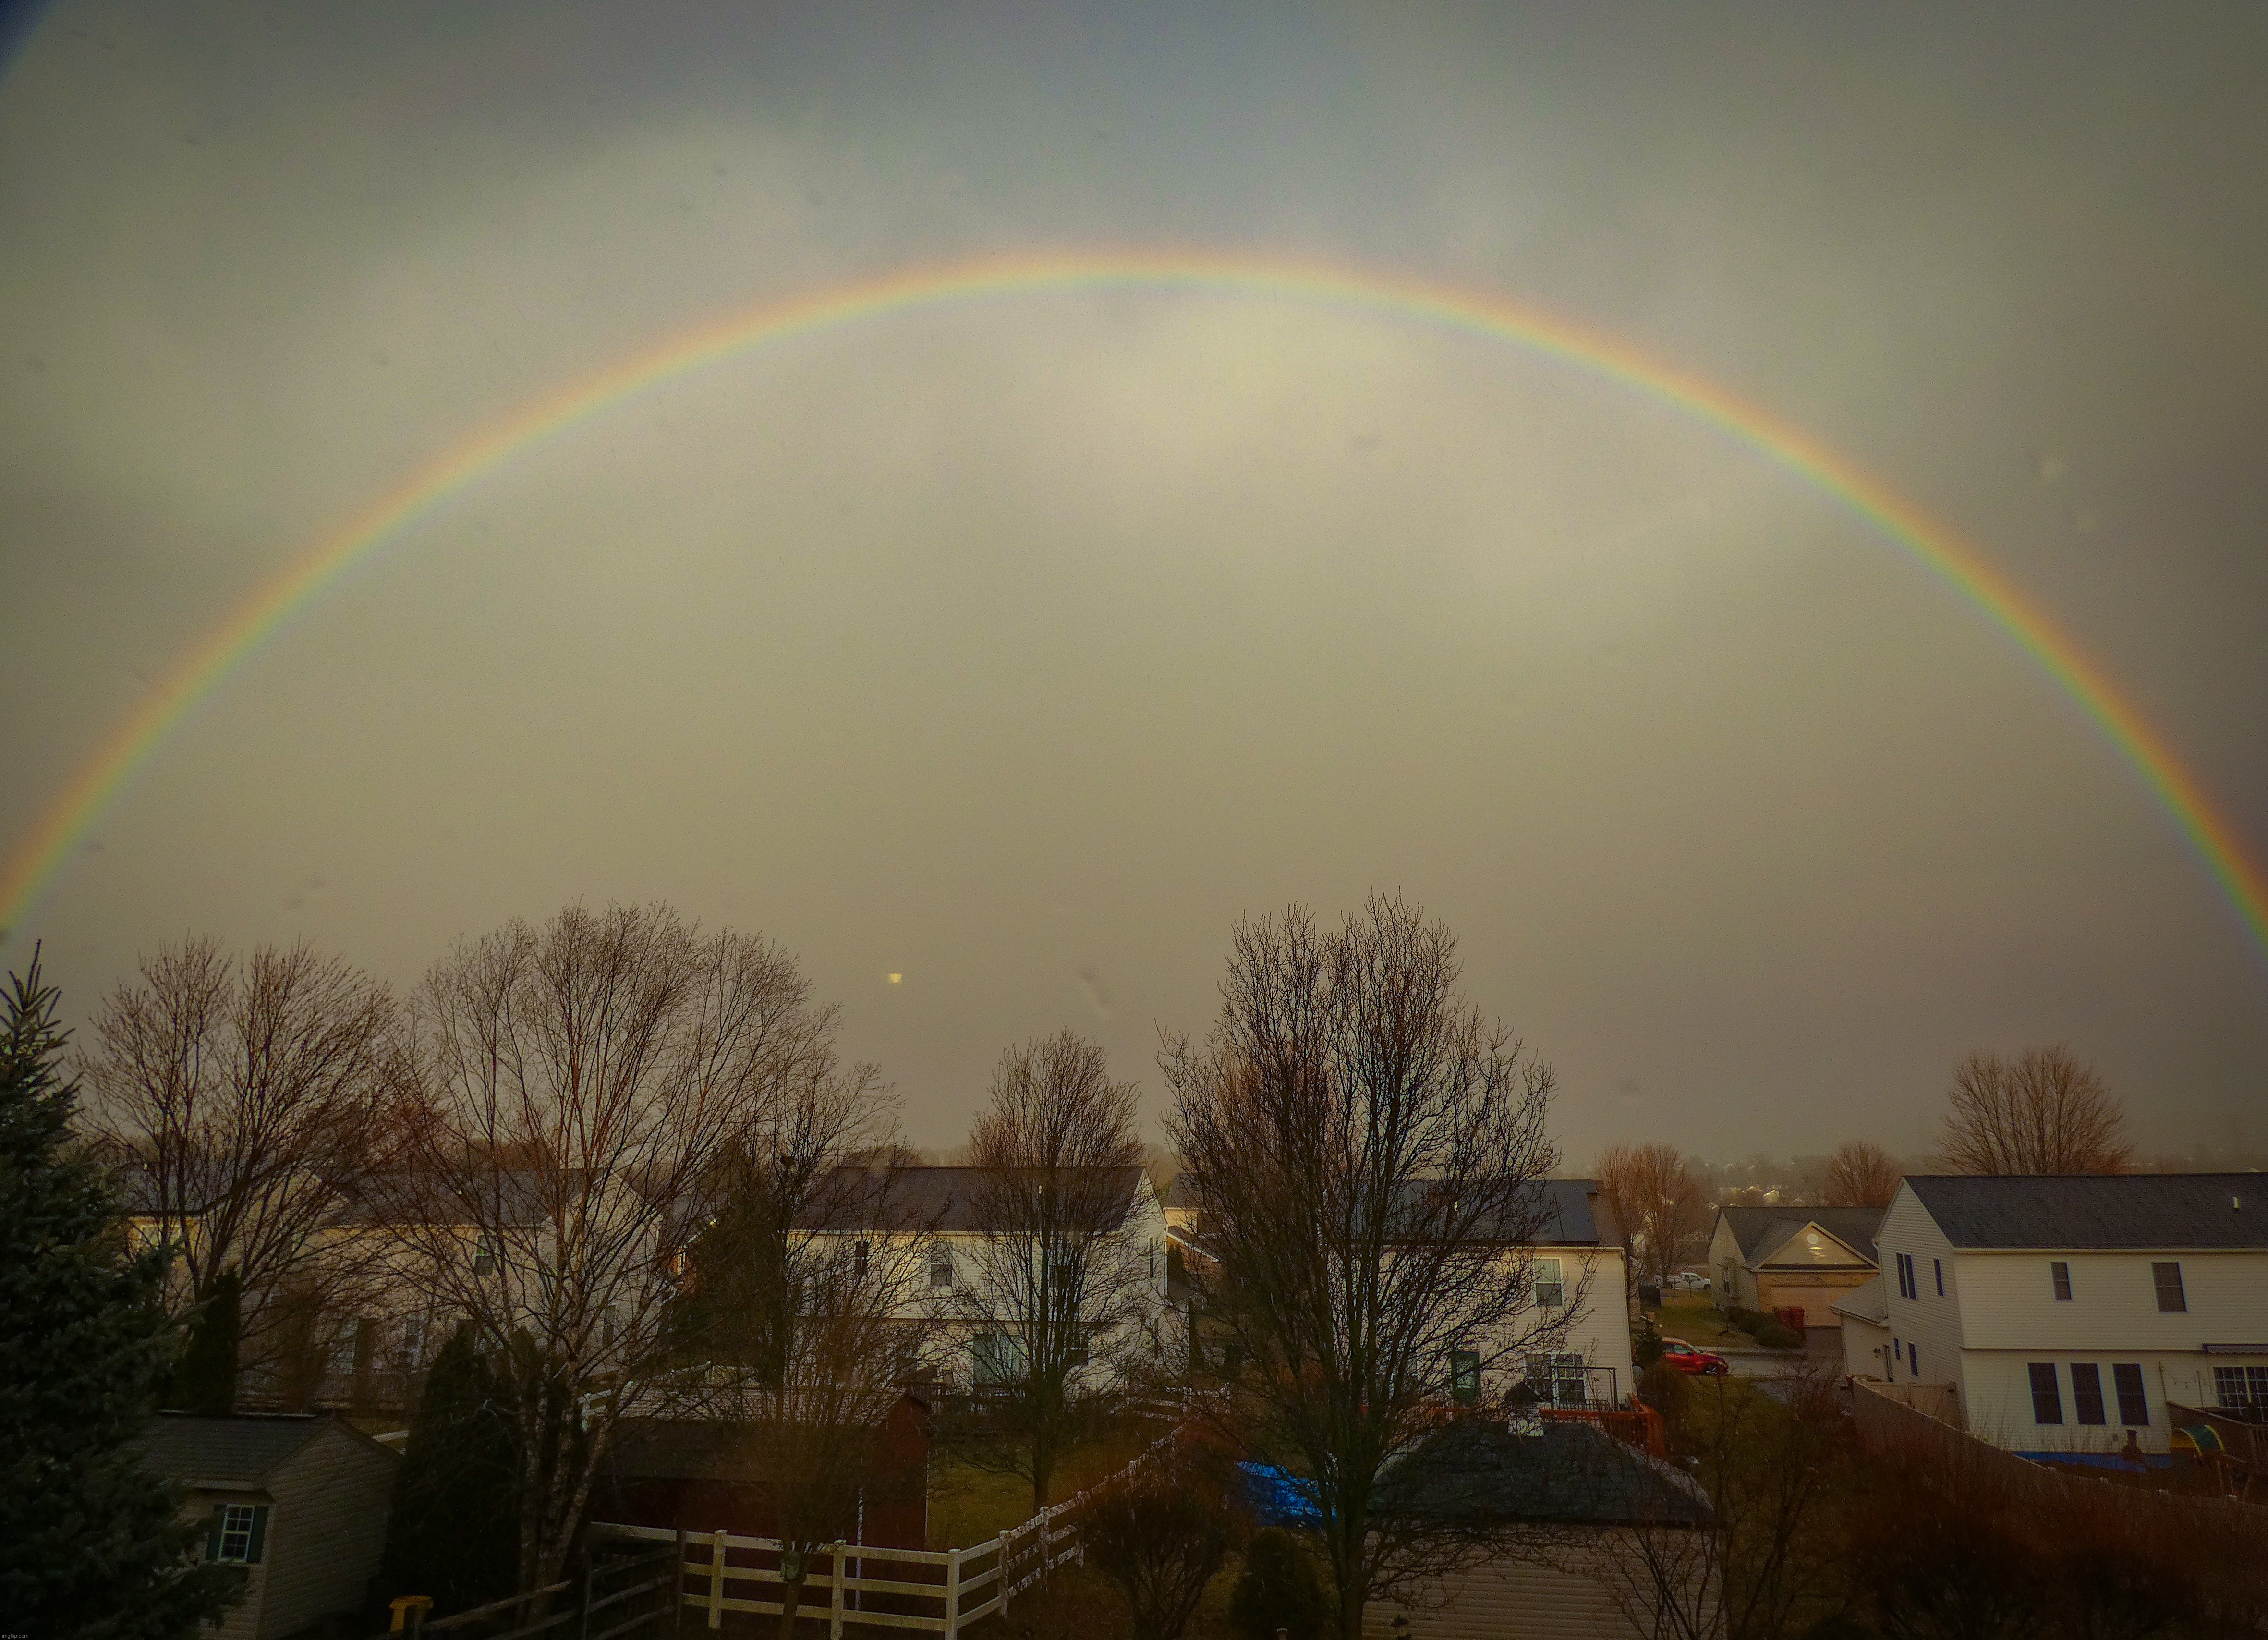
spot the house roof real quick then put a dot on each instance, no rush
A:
(1869, 1301)
(940, 1199)
(1571, 1212)
(1474, 1474)
(242, 1450)
(2098, 1209)
(1761, 1231)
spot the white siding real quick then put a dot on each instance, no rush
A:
(2113, 1301)
(327, 1529)
(1728, 1272)
(1926, 1324)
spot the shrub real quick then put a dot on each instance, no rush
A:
(1646, 1350)
(1278, 1589)
(1161, 1543)
(1772, 1335)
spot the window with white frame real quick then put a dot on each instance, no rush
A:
(1558, 1380)
(488, 1253)
(941, 1268)
(2167, 1280)
(2060, 1278)
(2240, 1388)
(238, 1534)
(1551, 1284)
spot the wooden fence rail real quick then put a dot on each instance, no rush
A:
(936, 1592)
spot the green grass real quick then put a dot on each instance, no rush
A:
(1699, 1321)
(969, 1504)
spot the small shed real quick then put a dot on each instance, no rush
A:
(297, 1502)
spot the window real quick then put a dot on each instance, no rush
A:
(1464, 1376)
(941, 1268)
(1908, 1287)
(1937, 1267)
(1556, 1381)
(238, 1534)
(2087, 1392)
(2133, 1405)
(2241, 1389)
(488, 1253)
(1550, 1287)
(1913, 1359)
(858, 1263)
(2047, 1401)
(2060, 1273)
(995, 1360)
(2171, 1298)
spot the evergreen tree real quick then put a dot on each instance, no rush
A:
(454, 1532)
(205, 1380)
(90, 1545)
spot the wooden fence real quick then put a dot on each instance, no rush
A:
(855, 1586)
(618, 1594)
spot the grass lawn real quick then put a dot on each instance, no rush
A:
(969, 1504)
(1698, 1320)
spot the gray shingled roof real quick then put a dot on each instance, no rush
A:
(2098, 1209)
(1760, 1229)
(239, 1451)
(1473, 1473)
(943, 1198)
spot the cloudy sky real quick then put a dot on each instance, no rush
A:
(1018, 646)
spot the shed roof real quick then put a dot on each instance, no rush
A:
(1868, 1301)
(1473, 1473)
(2098, 1210)
(240, 1450)
(1757, 1231)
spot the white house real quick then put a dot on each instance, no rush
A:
(1580, 1276)
(946, 1221)
(2066, 1311)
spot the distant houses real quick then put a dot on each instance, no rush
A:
(2064, 1314)
(1793, 1257)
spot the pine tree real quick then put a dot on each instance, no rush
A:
(454, 1532)
(90, 1545)
(205, 1380)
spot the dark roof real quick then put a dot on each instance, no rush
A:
(945, 1198)
(1477, 1473)
(1572, 1213)
(1758, 1230)
(2098, 1209)
(238, 1451)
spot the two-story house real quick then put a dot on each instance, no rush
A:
(2065, 1311)
(961, 1227)
(1793, 1257)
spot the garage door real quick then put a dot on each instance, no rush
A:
(1814, 1301)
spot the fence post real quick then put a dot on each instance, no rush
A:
(717, 1541)
(677, 1589)
(952, 1594)
(834, 1607)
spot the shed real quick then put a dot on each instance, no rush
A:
(297, 1501)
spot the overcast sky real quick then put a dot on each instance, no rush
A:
(1016, 648)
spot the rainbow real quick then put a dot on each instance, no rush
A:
(37, 859)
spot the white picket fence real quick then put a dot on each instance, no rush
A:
(946, 1590)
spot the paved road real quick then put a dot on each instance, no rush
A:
(1821, 1352)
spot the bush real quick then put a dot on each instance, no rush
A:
(1646, 1348)
(1161, 1543)
(1748, 1321)
(1278, 1589)
(1772, 1335)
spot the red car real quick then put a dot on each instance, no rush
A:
(1686, 1358)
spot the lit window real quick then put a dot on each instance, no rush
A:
(2171, 1298)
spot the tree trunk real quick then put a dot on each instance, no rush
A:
(791, 1602)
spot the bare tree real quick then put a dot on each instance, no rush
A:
(1861, 1173)
(1660, 1202)
(1054, 1295)
(247, 1103)
(2044, 1112)
(1370, 1151)
(1768, 1559)
(583, 1081)
(794, 1337)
